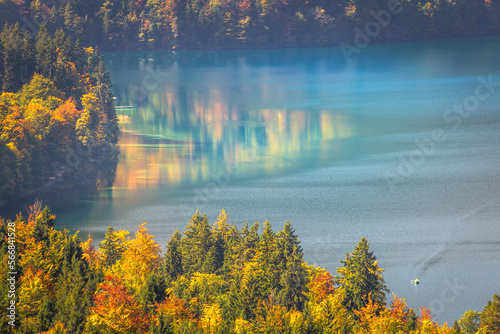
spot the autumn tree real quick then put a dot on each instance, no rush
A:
(169, 314)
(116, 310)
(469, 322)
(320, 286)
(140, 259)
(329, 315)
(490, 316)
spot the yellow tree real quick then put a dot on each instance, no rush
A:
(211, 320)
(90, 254)
(88, 123)
(34, 289)
(222, 226)
(330, 315)
(57, 328)
(374, 318)
(171, 312)
(427, 326)
(140, 258)
(271, 317)
(24, 234)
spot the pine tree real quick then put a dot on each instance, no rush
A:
(112, 246)
(288, 243)
(1, 62)
(361, 278)
(45, 53)
(214, 259)
(65, 76)
(46, 313)
(74, 288)
(267, 257)
(43, 223)
(196, 244)
(293, 280)
(154, 291)
(28, 58)
(490, 317)
(240, 247)
(11, 39)
(173, 258)
(266, 250)
(69, 17)
(105, 104)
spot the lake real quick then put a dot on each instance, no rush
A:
(400, 145)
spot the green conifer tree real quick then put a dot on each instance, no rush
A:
(45, 53)
(267, 257)
(73, 291)
(196, 244)
(173, 258)
(293, 278)
(154, 291)
(44, 222)
(11, 39)
(108, 118)
(28, 58)
(361, 278)
(112, 247)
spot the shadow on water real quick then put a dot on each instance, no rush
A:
(69, 193)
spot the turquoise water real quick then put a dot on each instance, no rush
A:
(382, 147)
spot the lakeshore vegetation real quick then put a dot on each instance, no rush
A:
(147, 24)
(213, 278)
(58, 124)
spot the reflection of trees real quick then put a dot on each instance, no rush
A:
(217, 111)
(104, 170)
(210, 136)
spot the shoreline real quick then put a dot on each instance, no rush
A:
(374, 41)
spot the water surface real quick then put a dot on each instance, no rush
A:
(341, 150)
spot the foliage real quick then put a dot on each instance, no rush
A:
(130, 24)
(361, 278)
(469, 322)
(116, 310)
(490, 317)
(57, 120)
(65, 285)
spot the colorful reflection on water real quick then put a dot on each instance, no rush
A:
(187, 136)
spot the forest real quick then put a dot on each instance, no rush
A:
(212, 278)
(194, 24)
(58, 124)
